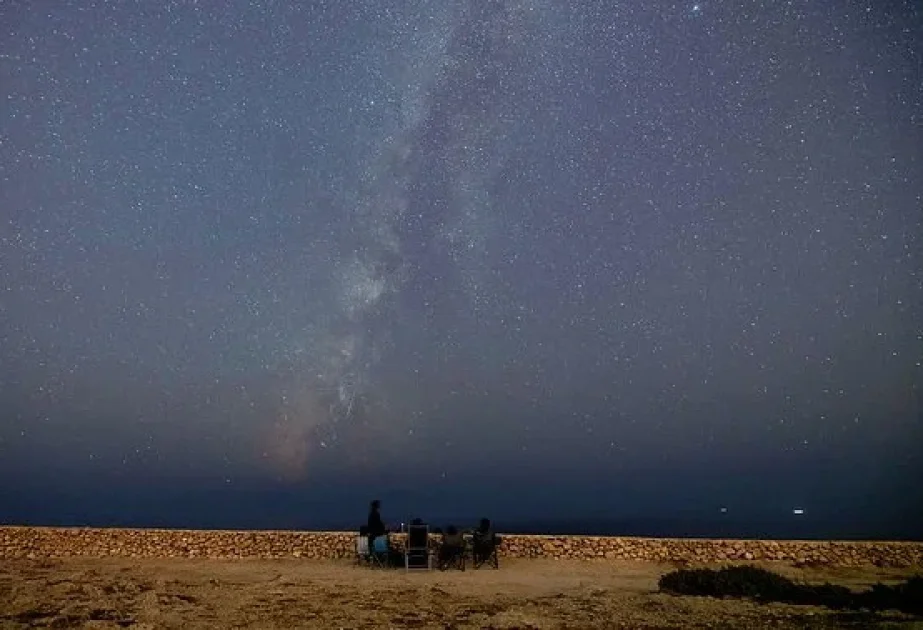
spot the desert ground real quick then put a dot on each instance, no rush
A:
(189, 594)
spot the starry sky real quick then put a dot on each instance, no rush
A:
(531, 257)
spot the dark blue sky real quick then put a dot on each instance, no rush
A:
(614, 258)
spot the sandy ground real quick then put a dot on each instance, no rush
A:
(189, 594)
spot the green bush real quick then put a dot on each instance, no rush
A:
(765, 586)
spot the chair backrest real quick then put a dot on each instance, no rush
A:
(418, 536)
(380, 544)
(455, 539)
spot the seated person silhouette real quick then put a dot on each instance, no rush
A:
(453, 548)
(484, 542)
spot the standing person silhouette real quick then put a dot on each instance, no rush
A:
(375, 524)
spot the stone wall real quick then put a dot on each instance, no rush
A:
(45, 542)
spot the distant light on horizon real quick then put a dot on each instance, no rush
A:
(798, 511)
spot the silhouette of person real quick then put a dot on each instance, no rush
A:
(453, 546)
(483, 541)
(376, 526)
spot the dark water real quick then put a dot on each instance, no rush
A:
(236, 506)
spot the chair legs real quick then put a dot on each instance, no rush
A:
(452, 559)
(442, 559)
(417, 555)
(487, 555)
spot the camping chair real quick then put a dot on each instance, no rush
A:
(363, 555)
(416, 553)
(451, 557)
(484, 550)
(381, 551)
(452, 551)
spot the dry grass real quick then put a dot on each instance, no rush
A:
(189, 594)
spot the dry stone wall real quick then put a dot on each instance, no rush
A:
(46, 542)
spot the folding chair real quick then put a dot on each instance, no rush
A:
(417, 553)
(452, 551)
(484, 551)
(451, 557)
(363, 555)
(381, 551)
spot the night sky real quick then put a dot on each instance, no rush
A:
(264, 261)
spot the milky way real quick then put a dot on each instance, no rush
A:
(423, 188)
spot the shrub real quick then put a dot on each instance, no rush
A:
(738, 581)
(906, 597)
(765, 586)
